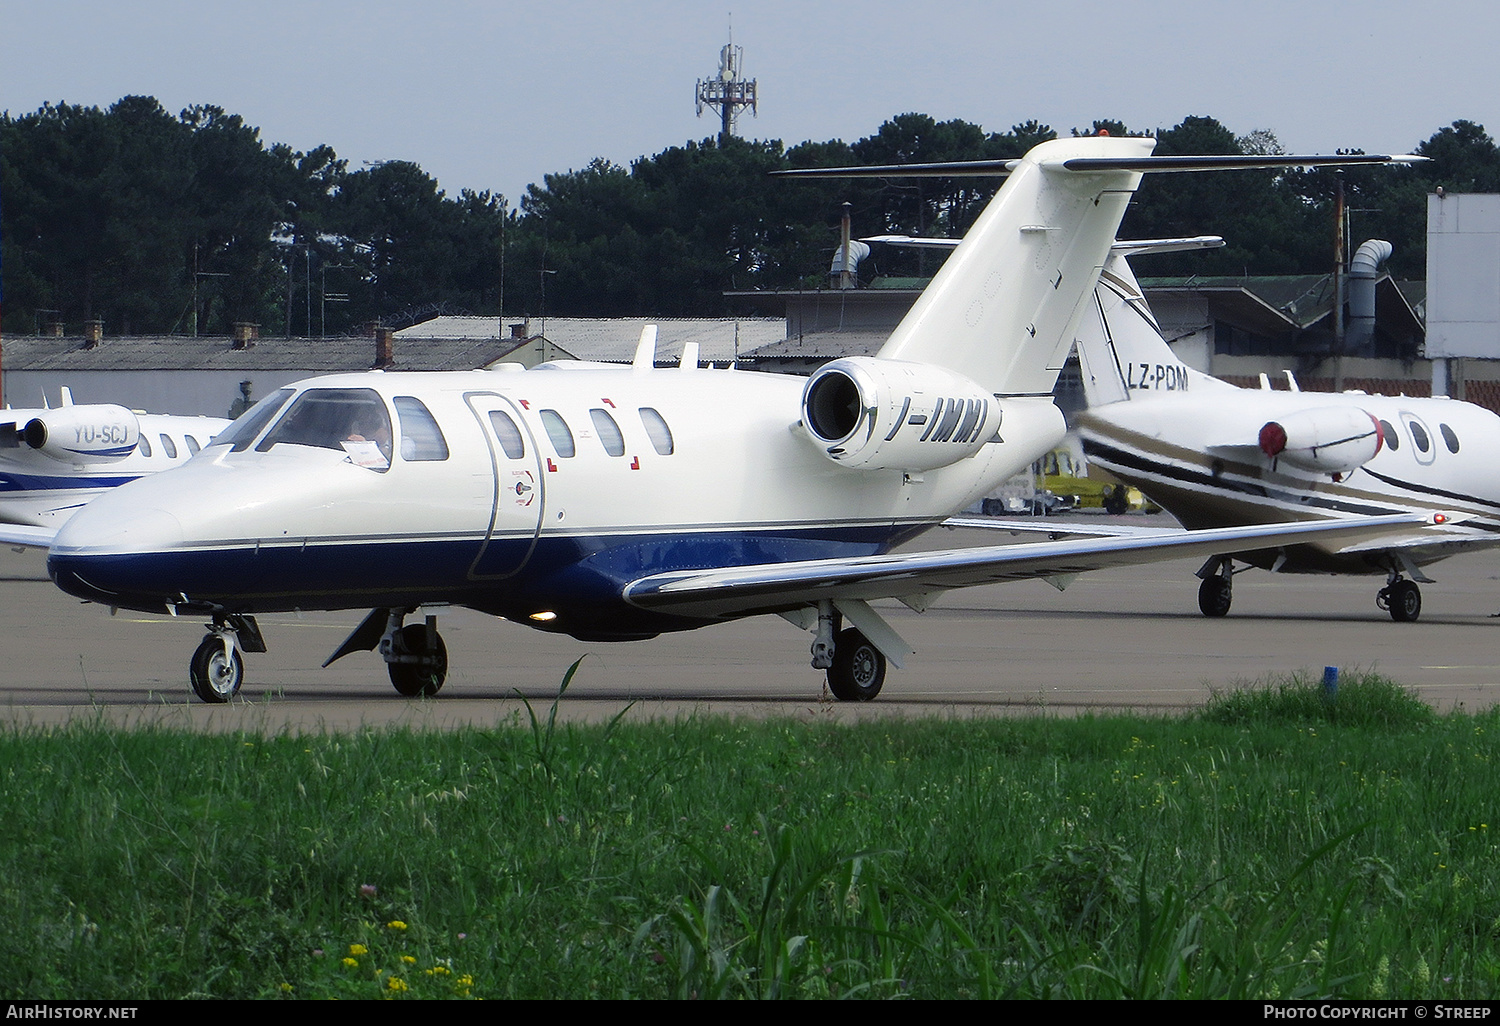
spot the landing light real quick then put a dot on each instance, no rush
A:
(544, 616)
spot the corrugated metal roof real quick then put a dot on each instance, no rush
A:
(613, 339)
(171, 352)
(820, 346)
(443, 343)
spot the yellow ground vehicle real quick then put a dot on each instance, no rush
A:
(1059, 482)
(1064, 472)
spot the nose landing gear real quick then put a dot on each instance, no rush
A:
(217, 669)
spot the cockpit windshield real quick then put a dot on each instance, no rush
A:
(249, 424)
(351, 420)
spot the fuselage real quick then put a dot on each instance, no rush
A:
(532, 495)
(1196, 454)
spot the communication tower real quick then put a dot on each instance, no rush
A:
(729, 93)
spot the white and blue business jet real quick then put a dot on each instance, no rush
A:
(618, 503)
(55, 459)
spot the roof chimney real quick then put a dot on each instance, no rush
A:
(55, 328)
(245, 334)
(93, 333)
(518, 330)
(384, 346)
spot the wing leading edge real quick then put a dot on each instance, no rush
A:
(775, 587)
(24, 536)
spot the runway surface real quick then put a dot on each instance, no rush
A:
(1116, 639)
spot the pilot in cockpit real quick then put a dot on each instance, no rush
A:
(367, 428)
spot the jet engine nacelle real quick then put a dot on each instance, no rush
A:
(1330, 440)
(872, 414)
(96, 433)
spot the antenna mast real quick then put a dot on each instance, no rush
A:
(728, 92)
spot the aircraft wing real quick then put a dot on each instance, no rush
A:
(775, 587)
(23, 536)
(1059, 528)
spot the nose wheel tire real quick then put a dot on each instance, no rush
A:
(425, 677)
(858, 670)
(216, 674)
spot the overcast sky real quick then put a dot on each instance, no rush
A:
(495, 95)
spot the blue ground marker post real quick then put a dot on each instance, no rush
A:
(1330, 683)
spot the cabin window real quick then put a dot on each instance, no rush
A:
(168, 446)
(1392, 440)
(1419, 436)
(422, 440)
(557, 430)
(657, 431)
(1450, 439)
(192, 444)
(243, 431)
(509, 434)
(350, 420)
(144, 446)
(609, 432)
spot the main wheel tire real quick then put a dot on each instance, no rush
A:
(216, 677)
(858, 670)
(1405, 600)
(1215, 595)
(422, 679)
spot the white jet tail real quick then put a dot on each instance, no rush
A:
(1003, 308)
(1121, 351)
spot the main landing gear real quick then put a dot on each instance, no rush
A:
(1401, 598)
(1216, 592)
(855, 667)
(217, 669)
(416, 658)
(414, 654)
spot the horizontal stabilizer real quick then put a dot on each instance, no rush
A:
(1232, 162)
(1141, 164)
(1123, 247)
(1140, 246)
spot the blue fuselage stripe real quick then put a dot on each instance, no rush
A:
(12, 482)
(583, 576)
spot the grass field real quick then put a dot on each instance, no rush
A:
(1273, 845)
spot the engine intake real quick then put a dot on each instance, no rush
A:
(97, 433)
(1330, 440)
(874, 414)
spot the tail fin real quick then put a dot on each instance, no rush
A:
(1121, 351)
(1003, 308)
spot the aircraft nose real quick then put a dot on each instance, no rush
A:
(98, 529)
(97, 554)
